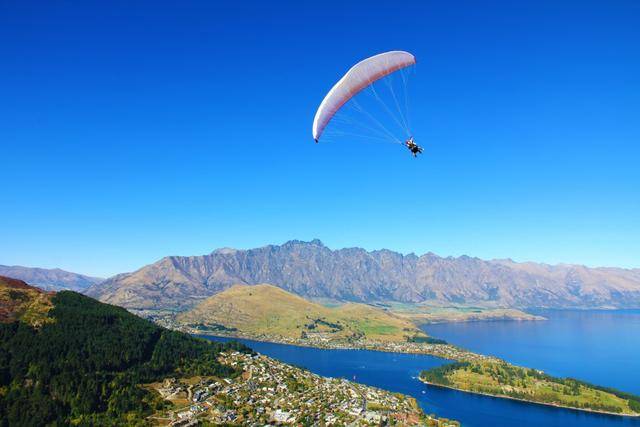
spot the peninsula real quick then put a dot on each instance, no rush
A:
(502, 379)
(268, 313)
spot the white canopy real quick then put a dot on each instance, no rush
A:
(361, 75)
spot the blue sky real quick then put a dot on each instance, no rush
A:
(131, 132)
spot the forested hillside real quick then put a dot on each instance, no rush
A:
(85, 366)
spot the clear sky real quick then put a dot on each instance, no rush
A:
(134, 130)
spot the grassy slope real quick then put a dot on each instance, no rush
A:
(19, 301)
(438, 315)
(266, 309)
(504, 379)
(430, 313)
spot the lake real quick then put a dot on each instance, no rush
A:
(598, 346)
(593, 335)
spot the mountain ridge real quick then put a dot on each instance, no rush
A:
(53, 279)
(312, 270)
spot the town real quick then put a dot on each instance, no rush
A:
(271, 392)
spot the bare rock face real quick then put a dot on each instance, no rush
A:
(312, 270)
(50, 279)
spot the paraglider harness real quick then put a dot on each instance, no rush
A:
(413, 147)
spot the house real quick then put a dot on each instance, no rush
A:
(281, 416)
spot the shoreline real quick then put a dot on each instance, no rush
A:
(440, 321)
(447, 351)
(329, 347)
(531, 402)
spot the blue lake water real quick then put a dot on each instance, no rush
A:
(602, 347)
(539, 345)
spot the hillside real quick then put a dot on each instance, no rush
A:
(268, 310)
(312, 270)
(86, 363)
(50, 279)
(420, 314)
(19, 301)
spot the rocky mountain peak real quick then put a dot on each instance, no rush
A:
(312, 270)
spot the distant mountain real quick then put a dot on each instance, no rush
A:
(50, 279)
(269, 310)
(312, 270)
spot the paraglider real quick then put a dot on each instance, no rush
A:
(361, 78)
(413, 147)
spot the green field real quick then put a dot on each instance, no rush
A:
(503, 379)
(438, 313)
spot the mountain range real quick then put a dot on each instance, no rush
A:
(50, 279)
(312, 270)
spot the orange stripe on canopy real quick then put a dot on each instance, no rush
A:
(361, 75)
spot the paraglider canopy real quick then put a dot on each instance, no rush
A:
(360, 76)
